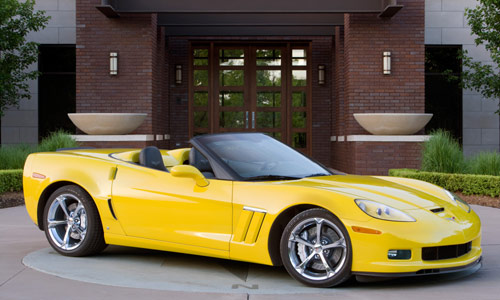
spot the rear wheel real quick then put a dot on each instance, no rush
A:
(316, 249)
(72, 223)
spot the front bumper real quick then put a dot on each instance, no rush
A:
(370, 251)
(474, 266)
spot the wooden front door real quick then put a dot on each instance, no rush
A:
(254, 88)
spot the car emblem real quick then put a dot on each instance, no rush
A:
(451, 219)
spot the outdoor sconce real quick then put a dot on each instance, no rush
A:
(178, 74)
(321, 74)
(387, 63)
(113, 63)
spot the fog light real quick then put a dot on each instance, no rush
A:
(399, 254)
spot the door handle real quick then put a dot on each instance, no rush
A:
(253, 120)
(246, 119)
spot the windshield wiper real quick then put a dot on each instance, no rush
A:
(318, 174)
(271, 177)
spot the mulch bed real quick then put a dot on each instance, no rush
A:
(481, 200)
(12, 199)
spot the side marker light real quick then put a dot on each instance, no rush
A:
(38, 176)
(365, 230)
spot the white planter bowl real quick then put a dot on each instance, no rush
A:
(107, 123)
(392, 123)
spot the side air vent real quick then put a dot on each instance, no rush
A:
(249, 224)
(437, 210)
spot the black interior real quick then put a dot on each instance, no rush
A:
(151, 157)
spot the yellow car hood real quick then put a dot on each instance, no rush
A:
(397, 195)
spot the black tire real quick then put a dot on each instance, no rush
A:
(304, 256)
(72, 223)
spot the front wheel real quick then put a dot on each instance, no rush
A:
(316, 249)
(72, 223)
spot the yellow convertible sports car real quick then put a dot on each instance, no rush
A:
(248, 197)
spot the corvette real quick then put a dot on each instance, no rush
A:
(248, 197)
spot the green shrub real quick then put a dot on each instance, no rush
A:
(13, 157)
(469, 184)
(56, 140)
(11, 181)
(486, 163)
(441, 153)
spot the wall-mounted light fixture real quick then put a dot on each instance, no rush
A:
(113, 63)
(387, 62)
(178, 74)
(321, 74)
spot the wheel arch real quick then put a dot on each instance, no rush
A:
(44, 197)
(278, 227)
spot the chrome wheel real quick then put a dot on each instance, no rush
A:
(72, 222)
(316, 249)
(67, 222)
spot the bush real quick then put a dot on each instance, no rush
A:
(469, 184)
(486, 163)
(56, 140)
(11, 181)
(442, 153)
(13, 157)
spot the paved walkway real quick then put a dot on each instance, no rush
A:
(127, 273)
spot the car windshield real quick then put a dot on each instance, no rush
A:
(255, 156)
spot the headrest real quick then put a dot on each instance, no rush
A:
(151, 157)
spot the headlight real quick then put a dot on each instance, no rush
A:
(458, 201)
(383, 212)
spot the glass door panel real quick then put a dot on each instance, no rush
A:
(231, 88)
(258, 88)
(300, 85)
(270, 89)
(199, 93)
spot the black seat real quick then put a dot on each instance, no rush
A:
(197, 160)
(151, 157)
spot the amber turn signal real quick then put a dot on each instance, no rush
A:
(365, 230)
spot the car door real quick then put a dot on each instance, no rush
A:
(155, 205)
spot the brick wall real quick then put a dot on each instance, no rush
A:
(178, 54)
(361, 87)
(139, 45)
(322, 99)
(370, 158)
(366, 38)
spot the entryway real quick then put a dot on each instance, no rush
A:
(254, 87)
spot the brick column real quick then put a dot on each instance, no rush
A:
(367, 90)
(138, 86)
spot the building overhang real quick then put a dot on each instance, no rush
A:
(256, 17)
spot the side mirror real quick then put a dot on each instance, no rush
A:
(187, 171)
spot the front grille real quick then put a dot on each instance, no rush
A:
(445, 252)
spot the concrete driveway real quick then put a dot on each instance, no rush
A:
(126, 273)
